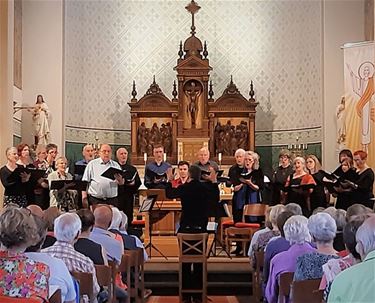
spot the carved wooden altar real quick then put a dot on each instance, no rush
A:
(192, 118)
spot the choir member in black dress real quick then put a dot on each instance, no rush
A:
(364, 185)
(234, 180)
(127, 192)
(343, 190)
(343, 155)
(24, 160)
(299, 186)
(14, 179)
(318, 197)
(283, 171)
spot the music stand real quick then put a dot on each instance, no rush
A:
(147, 206)
(217, 211)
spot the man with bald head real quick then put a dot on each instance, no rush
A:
(126, 192)
(204, 161)
(101, 190)
(101, 235)
(35, 210)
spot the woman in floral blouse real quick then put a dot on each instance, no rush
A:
(19, 275)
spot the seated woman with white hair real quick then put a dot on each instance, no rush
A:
(322, 229)
(265, 237)
(118, 227)
(297, 233)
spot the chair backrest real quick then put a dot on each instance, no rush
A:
(85, 283)
(6, 299)
(192, 244)
(257, 210)
(239, 232)
(285, 281)
(306, 291)
(104, 277)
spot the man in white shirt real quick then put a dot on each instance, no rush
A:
(101, 190)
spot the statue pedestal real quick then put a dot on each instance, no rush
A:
(187, 148)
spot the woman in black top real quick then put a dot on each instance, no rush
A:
(364, 185)
(86, 246)
(345, 154)
(344, 190)
(14, 179)
(318, 197)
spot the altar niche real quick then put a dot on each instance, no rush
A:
(192, 118)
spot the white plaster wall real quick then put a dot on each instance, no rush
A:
(343, 22)
(42, 63)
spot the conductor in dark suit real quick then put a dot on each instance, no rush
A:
(194, 217)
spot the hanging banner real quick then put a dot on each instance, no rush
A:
(356, 111)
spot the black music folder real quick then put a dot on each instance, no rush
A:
(111, 172)
(74, 184)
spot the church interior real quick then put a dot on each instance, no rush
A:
(171, 83)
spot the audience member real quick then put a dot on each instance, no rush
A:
(127, 192)
(50, 214)
(101, 190)
(267, 228)
(265, 237)
(59, 273)
(356, 210)
(294, 208)
(67, 229)
(130, 242)
(36, 210)
(156, 171)
(276, 244)
(334, 266)
(20, 276)
(356, 284)
(13, 180)
(84, 245)
(101, 235)
(297, 233)
(339, 215)
(322, 229)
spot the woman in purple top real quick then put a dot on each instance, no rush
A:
(297, 233)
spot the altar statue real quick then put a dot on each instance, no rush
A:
(41, 121)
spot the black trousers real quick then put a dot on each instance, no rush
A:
(110, 201)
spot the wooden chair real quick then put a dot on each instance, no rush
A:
(114, 272)
(86, 284)
(237, 234)
(306, 291)
(257, 275)
(193, 249)
(285, 282)
(104, 277)
(55, 297)
(132, 264)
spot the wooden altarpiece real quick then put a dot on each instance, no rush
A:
(192, 118)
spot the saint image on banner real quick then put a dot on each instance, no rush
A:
(363, 86)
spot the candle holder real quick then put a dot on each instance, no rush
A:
(298, 149)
